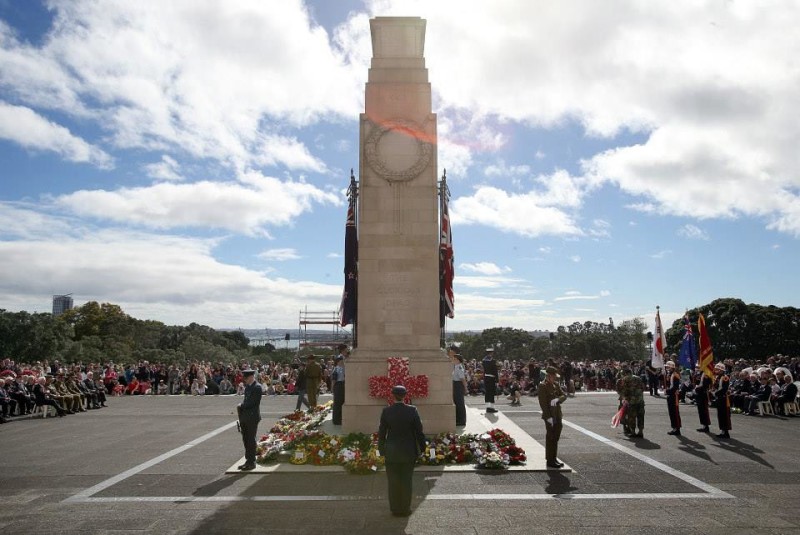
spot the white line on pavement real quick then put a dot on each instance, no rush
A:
(84, 494)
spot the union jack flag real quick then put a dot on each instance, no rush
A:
(446, 268)
(688, 354)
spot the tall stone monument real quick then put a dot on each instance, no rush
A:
(398, 267)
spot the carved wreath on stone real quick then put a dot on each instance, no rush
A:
(378, 162)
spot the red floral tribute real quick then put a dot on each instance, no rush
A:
(380, 386)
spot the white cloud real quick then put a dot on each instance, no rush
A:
(161, 277)
(485, 268)
(545, 250)
(200, 77)
(166, 169)
(710, 86)
(249, 206)
(279, 255)
(575, 258)
(573, 295)
(27, 128)
(661, 254)
(600, 229)
(543, 211)
(502, 170)
(693, 232)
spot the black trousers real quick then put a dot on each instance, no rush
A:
(674, 411)
(702, 409)
(652, 383)
(458, 401)
(400, 476)
(551, 439)
(489, 388)
(249, 439)
(338, 401)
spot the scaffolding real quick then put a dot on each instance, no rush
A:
(326, 338)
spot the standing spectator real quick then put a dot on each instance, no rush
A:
(300, 387)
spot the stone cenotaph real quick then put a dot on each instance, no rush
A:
(398, 255)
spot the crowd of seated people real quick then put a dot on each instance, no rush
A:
(67, 390)
(73, 388)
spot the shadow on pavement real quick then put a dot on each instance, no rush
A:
(693, 447)
(741, 448)
(213, 488)
(644, 444)
(558, 483)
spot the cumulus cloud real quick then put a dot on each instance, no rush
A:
(166, 169)
(693, 232)
(249, 206)
(710, 88)
(161, 76)
(27, 128)
(485, 268)
(574, 295)
(279, 255)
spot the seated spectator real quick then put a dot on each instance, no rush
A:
(162, 388)
(761, 393)
(787, 392)
(43, 396)
(196, 388)
(226, 387)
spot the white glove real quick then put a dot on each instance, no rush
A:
(554, 402)
(549, 421)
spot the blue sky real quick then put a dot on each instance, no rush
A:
(188, 160)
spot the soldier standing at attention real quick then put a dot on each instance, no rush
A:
(702, 394)
(489, 379)
(400, 439)
(249, 416)
(722, 400)
(550, 399)
(673, 386)
(633, 393)
(313, 377)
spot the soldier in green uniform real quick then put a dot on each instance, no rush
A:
(633, 393)
(73, 389)
(72, 402)
(550, 399)
(313, 377)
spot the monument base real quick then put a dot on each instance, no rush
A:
(362, 413)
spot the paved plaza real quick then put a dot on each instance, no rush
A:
(157, 465)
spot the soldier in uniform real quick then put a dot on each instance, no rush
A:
(673, 387)
(489, 379)
(633, 393)
(72, 401)
(722, 401)
(550, 399)
(249, 415)
(702, 395)
(313, 377)
(53, 392)
(401, 439)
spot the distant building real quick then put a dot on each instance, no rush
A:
(61, 303)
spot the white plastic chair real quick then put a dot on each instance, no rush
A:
(765, 407)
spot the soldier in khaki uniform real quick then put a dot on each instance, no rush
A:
(74, 388)
(313, 377)
(550, 399)
(633, 393)
(63, 400)
(75, 402)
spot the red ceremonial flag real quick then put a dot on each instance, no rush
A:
(706, 355)
(659, 343)
(446, 268)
